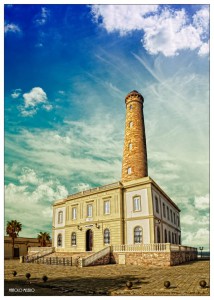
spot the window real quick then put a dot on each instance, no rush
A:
(89, 210)
(174, 218)
(138, 235)
(164, 210)
(167, 212)
(130, 107)
(171, 215)
(73, 239)
(156, 204)
(136, 203)
(130, 146)
(131, 124)
(60, 217)
(169, 236)
(178, 221)
(158, 234)
(129, 170)
(59, 240)
(165, 234)
(179, 239)
(106, 236)
(106, 207)
(173, 238)
(74, 213)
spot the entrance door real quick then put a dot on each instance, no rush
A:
(16, 252)
(89, 240)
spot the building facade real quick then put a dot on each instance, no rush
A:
(132, 211)
(21, 246)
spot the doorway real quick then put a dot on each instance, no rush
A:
(16, 252)
(89, 240)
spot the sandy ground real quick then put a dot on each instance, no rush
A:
(105, 280)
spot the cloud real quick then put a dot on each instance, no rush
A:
(122, 18)
(164, 30)
(202, 202)
(47, 107)
(61, 92)
(198, 238)
(33, 101)
(204, 49)
(11, 28)
(32, 193)
(28, 176)
(16, 93)
(79, 151)
(42, 17)
(201, 20)
(34, 97)
(83, 186)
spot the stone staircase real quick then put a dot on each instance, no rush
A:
(35, 253)
(79, 259)
(102, 257)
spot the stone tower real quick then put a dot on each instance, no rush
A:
(134, 154)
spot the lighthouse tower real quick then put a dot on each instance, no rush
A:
(134, 164)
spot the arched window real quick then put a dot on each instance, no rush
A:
(129, 170)
(60, 217)
(73, 239)
(59, 240)
(165, 233)
(131, 124)
(169, 236)
(179, 240)
(173, 238)
(138, 235)
(158, 234)
(130, 146)
(106, 236)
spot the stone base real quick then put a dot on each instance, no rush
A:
(153, 259)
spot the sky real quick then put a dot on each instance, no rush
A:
(67, 70)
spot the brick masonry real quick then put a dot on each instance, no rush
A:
(134, 153)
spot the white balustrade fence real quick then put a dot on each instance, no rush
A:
(157, 247)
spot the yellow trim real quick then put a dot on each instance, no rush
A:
(151, 213)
